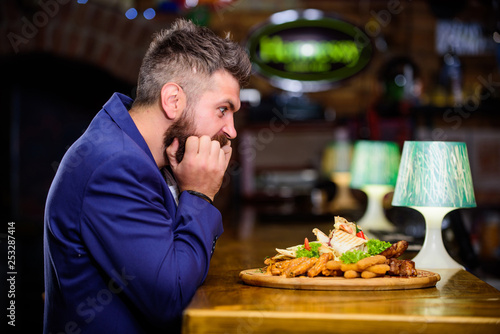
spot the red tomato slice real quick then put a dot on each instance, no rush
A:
(306, 244)
(360, 234)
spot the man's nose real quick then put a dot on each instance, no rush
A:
(229, 129)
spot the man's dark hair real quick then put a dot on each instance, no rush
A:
(188, 55)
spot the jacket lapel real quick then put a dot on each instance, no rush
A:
(117, 108)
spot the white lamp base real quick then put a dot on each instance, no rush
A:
(374, 217)
(433, 254)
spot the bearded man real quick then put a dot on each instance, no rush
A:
(129, 224)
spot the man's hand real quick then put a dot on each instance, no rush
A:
(203, 166)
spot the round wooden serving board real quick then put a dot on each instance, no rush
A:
(424, 279)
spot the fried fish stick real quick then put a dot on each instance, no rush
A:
(333, 265)
(351, 274)
(319, 265)
(379, 269)
(349, 267)
(370, 261)
(303, 267)
(368, 274)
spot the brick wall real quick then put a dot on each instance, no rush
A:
(91, 33)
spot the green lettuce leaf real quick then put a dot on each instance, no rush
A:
(376, 246)
(353, 256)
(314, 252)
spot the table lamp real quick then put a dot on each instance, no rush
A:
(374, 170)
(434, 178)
(335, 165)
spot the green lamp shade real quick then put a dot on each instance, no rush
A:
(434, 174)
(374, 163)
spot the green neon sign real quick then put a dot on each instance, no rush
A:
(308, 51)
(311, 53)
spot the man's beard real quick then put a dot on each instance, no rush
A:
(182, 129)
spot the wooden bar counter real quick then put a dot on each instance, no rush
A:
(459, 303)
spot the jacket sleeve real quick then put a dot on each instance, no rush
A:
(158, 257)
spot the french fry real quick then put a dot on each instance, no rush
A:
(303, 267)
(276, 267)
(274, 270)
(327, 272)
(332, 273)
(318, 267)
(291, 266)
(282, 264)
(337, 273)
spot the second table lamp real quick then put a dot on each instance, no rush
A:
(434, 178)
(374, 170)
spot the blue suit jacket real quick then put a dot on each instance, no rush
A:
(120, 256)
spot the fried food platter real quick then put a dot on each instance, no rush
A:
(343, 260)
(259, 277)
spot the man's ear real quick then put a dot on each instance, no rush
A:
(172, 100)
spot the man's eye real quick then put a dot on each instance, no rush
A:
(223, 110)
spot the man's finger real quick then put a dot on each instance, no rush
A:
(172, 151)
(205, 146)
(227, 150)
(215, 148)
(192, 145)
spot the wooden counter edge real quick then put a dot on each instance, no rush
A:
(226, 321)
